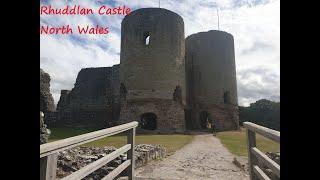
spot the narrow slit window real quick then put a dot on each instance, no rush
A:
(147, 41)
(226, 97)
(146, 38)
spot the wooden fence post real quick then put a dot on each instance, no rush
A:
(48, 167)
(130, 154)
(251, 138)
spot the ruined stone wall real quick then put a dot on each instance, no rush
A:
(64, 100)
(46, 99)
(154, 71)
(94, 100)
(94, 89)
(211, 78)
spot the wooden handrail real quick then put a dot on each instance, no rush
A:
(255, 155)
(266, 132)
(261, 175)
(117, 171)
(48, 153)
(56, 146)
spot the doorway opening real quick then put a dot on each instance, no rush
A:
(148, 121)
(205, 120)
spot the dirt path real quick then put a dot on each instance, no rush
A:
(204, 158)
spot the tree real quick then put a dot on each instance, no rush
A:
(263, 112)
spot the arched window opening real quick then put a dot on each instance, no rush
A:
(147, 41)
(146, 38)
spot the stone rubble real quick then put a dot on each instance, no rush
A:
(275, 156)
(148, 152)
(44, 132)
(76, 158)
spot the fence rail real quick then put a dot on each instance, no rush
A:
(49, 151)
(255, 155)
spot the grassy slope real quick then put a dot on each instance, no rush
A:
(236, 142)
(171, 142)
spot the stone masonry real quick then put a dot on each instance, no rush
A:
(168, 113)
(46, 99)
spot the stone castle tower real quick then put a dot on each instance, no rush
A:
(211, 80)
(152, 69)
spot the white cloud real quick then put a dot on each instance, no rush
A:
(255, 25)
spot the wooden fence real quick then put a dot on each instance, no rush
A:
(48, 154)
(255, 156)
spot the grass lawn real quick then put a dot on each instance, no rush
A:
(62, 133)
(236, 142)
(170, 142)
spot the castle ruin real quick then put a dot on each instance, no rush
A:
(164, 81)
(93, 102)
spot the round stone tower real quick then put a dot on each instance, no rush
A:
(152, 69)
(211, 80)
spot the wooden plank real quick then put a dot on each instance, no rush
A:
(131, 140)
(267, 161)
(118, 170)
(266, 132)
(48, 167)
(54, 147)
(261, 175)
(43, 167)
(251, 142)
(83, 172)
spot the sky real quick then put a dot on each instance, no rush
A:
(255, 25)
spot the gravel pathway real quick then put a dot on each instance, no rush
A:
(204, 158)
